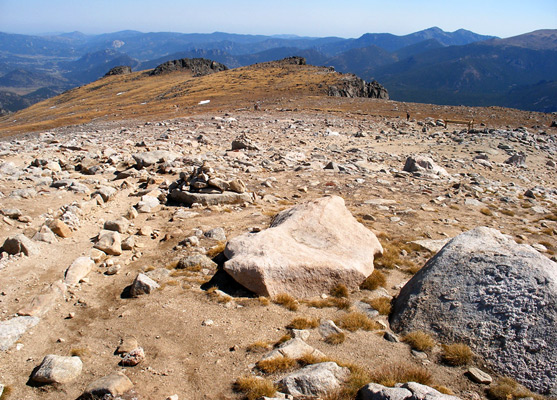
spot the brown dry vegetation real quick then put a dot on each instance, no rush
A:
(419, 340)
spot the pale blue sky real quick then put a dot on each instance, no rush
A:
(349, 18)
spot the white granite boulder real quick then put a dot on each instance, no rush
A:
(307, 250)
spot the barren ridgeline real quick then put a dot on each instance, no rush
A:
(225, 251)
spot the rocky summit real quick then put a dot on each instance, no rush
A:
(244, 234)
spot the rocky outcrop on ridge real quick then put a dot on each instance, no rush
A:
(119, 70)
(197, 66)
(352, 86)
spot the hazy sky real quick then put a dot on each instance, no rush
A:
(349, 18)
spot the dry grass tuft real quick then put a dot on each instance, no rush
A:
(356, 320)
(279, 364)
(264, 301)
(287, 301)
(456, 354)
(215, 250)
(309, 359)
(254, 387)
(508, 389)
(335, 338)
(339, 291)
(486, 211)
(81, 352)
(381, 304)
(392, 254)
(375, 280)
(358, 377)
(303, 323)
(341, 304)
(6, 393)
(401, 372)
(284, 338)
(419, 340)
(443, 389)
(259, 347)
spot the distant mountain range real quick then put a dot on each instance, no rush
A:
(430, 66)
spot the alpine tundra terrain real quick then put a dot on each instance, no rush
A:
(205, 233)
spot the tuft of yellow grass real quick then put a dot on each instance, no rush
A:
(456, 354)
(381, 304)
(401, 372)
(278, 364)
(336, 338)
(356, 320)
(303, 323)
(259, 347)
(419, 340)
(287, 301)
(375, 280)
(254, 387)
(339, 291)
(507, 388)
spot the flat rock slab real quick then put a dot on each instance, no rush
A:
(314, 380)
(498, 296)
(58, 369)
(308, 250)
(42, 303)
(210, 199)
(294, 349)
(79, 269)
(115, 384)
(11, 330)
(401, 391)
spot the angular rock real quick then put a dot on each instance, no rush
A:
(518, 159)
(294, 348)
(127, 345)
(115, 384)
(328, 328)
(216, 234)
(143, 285)
(45, 235)
(314, 380)
(119, 225)
(498, 296)
(79, 269)
(148, 204)
(20, 244)
(110, 242)
(149, 158)
(478, 376)
(424, 164)
(58, 369)
(106, 192)
(308, 250)
(12, 329)
(133, 358)
(199, 261)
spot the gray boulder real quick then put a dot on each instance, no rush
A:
(314, 380)
(143, 285)
(78, 270)
(58, 369)
(308, 250)
(498, 296)
(423, 164)
(401, 391)
(20, 244)
(115, 384)
(110, 242)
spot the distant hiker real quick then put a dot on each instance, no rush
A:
(407, 116)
